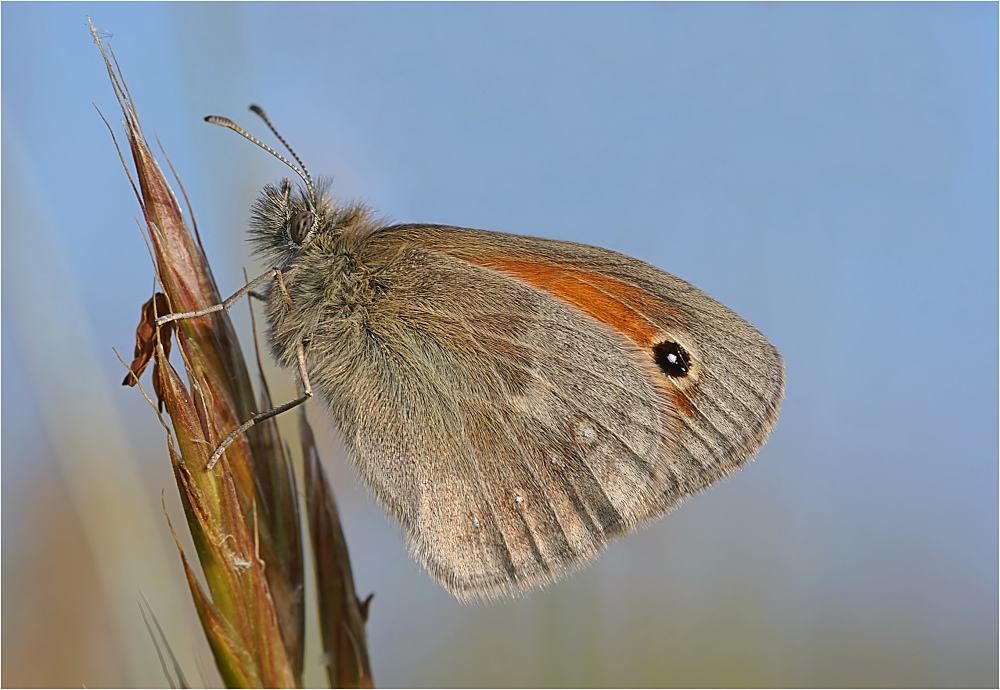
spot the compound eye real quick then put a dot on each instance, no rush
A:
(300, 226)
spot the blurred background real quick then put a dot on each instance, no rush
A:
(829, 171)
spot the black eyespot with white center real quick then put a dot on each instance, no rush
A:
(299, 227)
(673, 360)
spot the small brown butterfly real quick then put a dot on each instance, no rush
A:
(514, 402)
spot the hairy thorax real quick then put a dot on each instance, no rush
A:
(330, 290)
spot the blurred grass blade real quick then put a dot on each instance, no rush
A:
(172, 672)
(342, 617)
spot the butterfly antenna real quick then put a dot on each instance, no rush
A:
(263, 116)
(229, 124)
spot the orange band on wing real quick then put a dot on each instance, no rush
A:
(639, 315)
(627, 309)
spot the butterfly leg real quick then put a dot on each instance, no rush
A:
(300, 355)
(229, 302)
(273, 412)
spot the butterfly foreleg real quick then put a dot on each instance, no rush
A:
(226, 305)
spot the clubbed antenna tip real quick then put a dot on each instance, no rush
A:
(229, 124)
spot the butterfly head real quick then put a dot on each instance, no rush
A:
(285, 221)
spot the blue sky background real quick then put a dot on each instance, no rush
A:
(829, 171)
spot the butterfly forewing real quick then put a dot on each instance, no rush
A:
(504, 397)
